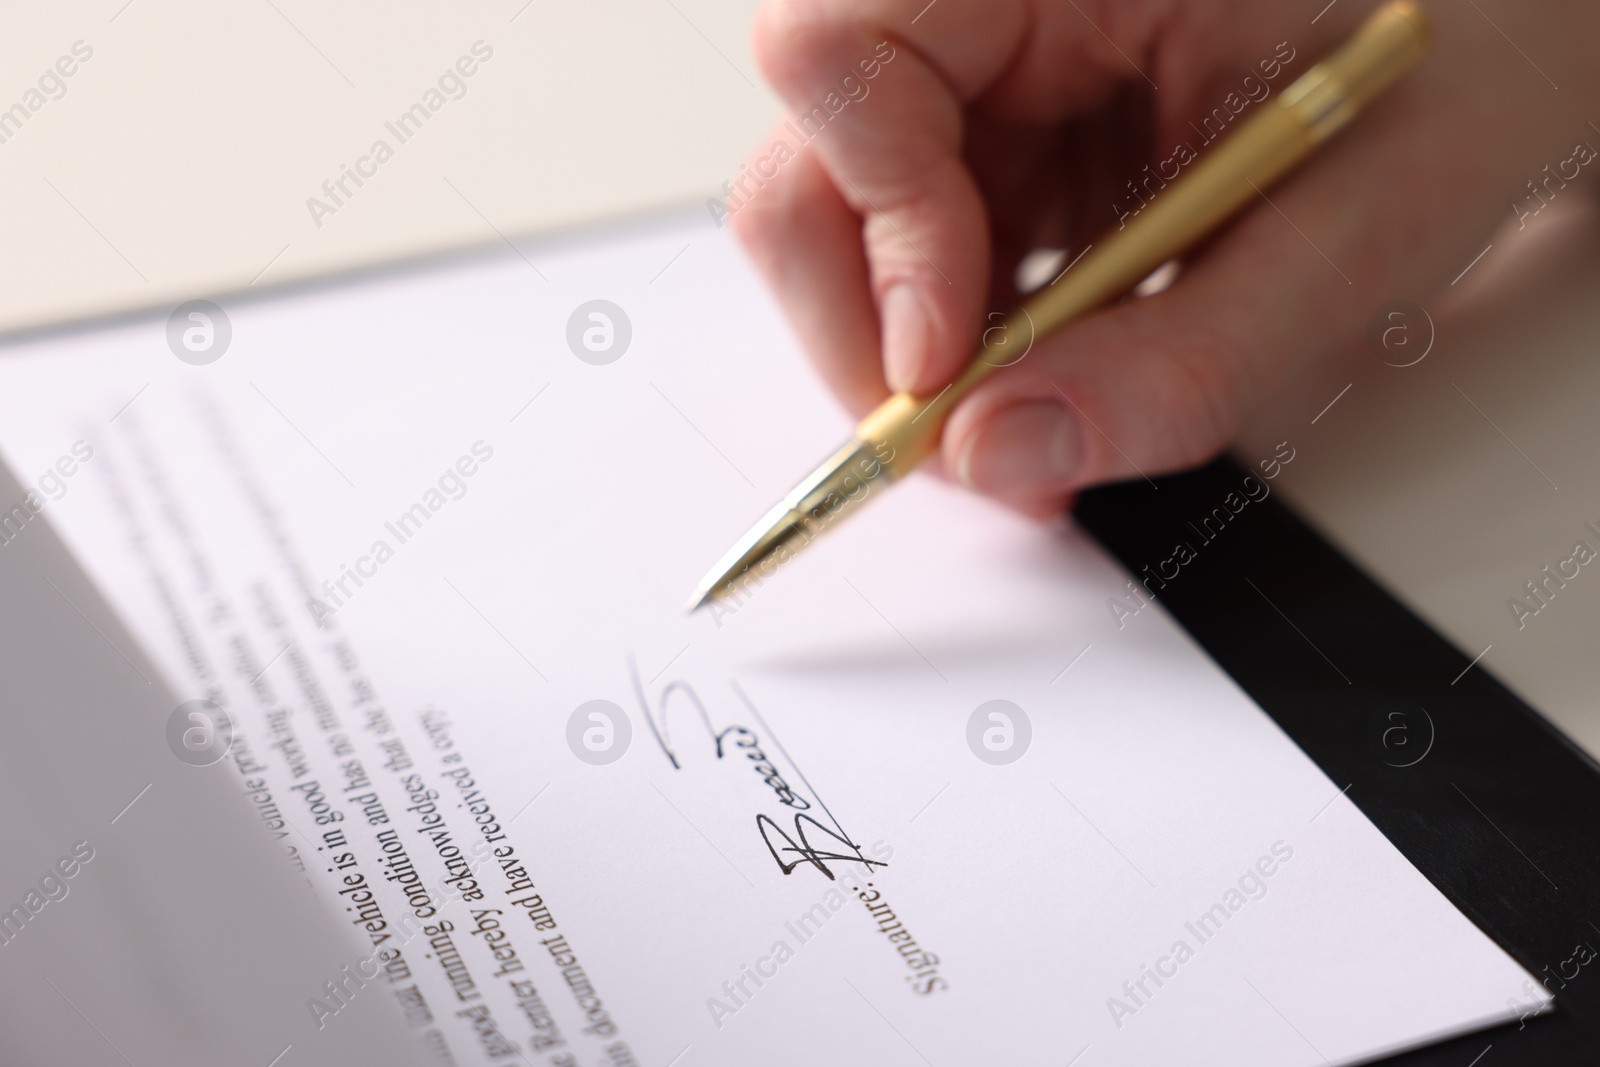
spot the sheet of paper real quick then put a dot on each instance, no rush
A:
(917, 799)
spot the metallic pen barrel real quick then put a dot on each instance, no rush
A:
(905, 429)
(831, 492)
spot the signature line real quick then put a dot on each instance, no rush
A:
(761, 719)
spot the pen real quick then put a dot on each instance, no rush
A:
(905, 429)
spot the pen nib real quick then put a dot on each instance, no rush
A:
(817, 503)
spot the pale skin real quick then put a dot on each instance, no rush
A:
(1002, 126)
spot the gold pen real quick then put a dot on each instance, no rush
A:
(905, 429)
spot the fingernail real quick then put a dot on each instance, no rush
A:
(905, 337)
(1025, 449)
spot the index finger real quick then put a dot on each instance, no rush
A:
(876, 92)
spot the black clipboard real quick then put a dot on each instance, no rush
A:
(1493, 804)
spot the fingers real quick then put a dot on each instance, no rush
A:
(891, 145)
(876, 91)
(877, 236)
(807, 242)
(1156, 385)
(1138, 391)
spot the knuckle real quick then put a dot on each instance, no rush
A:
(771, 218)
(790, 37)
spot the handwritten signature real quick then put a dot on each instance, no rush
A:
(811, 842)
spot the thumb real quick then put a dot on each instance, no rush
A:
(1137, 392)
(1164, 383)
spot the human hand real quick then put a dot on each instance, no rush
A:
(990, 128)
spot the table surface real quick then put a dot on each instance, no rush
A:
(179, 160)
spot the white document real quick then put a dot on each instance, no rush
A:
(917, 799)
